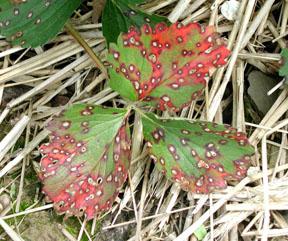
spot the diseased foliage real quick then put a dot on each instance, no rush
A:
(86, 161)
(166, 67)
(200, 156)
(85, 164)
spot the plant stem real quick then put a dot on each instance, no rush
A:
(142, 113)
(138, 110)
(74, 33)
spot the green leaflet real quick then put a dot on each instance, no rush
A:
(283, 71)
(85, 164)
(119, 15)
(166, 66)
(34, 22)
(200, 156)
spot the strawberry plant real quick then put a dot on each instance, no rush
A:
(163, 67)
(160, 66)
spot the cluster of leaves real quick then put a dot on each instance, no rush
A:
(165, 67)
(30, 23)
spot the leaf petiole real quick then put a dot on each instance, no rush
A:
(74, 33)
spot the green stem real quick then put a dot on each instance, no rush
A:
(74, 33)
(142, 113)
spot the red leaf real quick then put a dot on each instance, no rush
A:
(166, 67)
(85, 164)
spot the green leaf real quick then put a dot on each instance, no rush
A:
(34, 22)
(200, 156)
(166, 67)
(283, 71)
(85, 164)
(201, 232)
(119, 15)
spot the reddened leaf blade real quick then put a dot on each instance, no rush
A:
(85, 164)
(31, 23)
(200, 156)
(166, 67)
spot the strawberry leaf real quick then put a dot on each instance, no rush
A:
(119, 15)
(33, 22)
(200, 156)
(85, 164)
(166, 67)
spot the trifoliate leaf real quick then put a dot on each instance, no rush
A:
(33, 22)
(85, 164)
(166, 67)
(200, 156)
(119, 15)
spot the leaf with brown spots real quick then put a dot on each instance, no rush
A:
(85, 164)
(200, 156)
(31, 23)
(166, 67)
